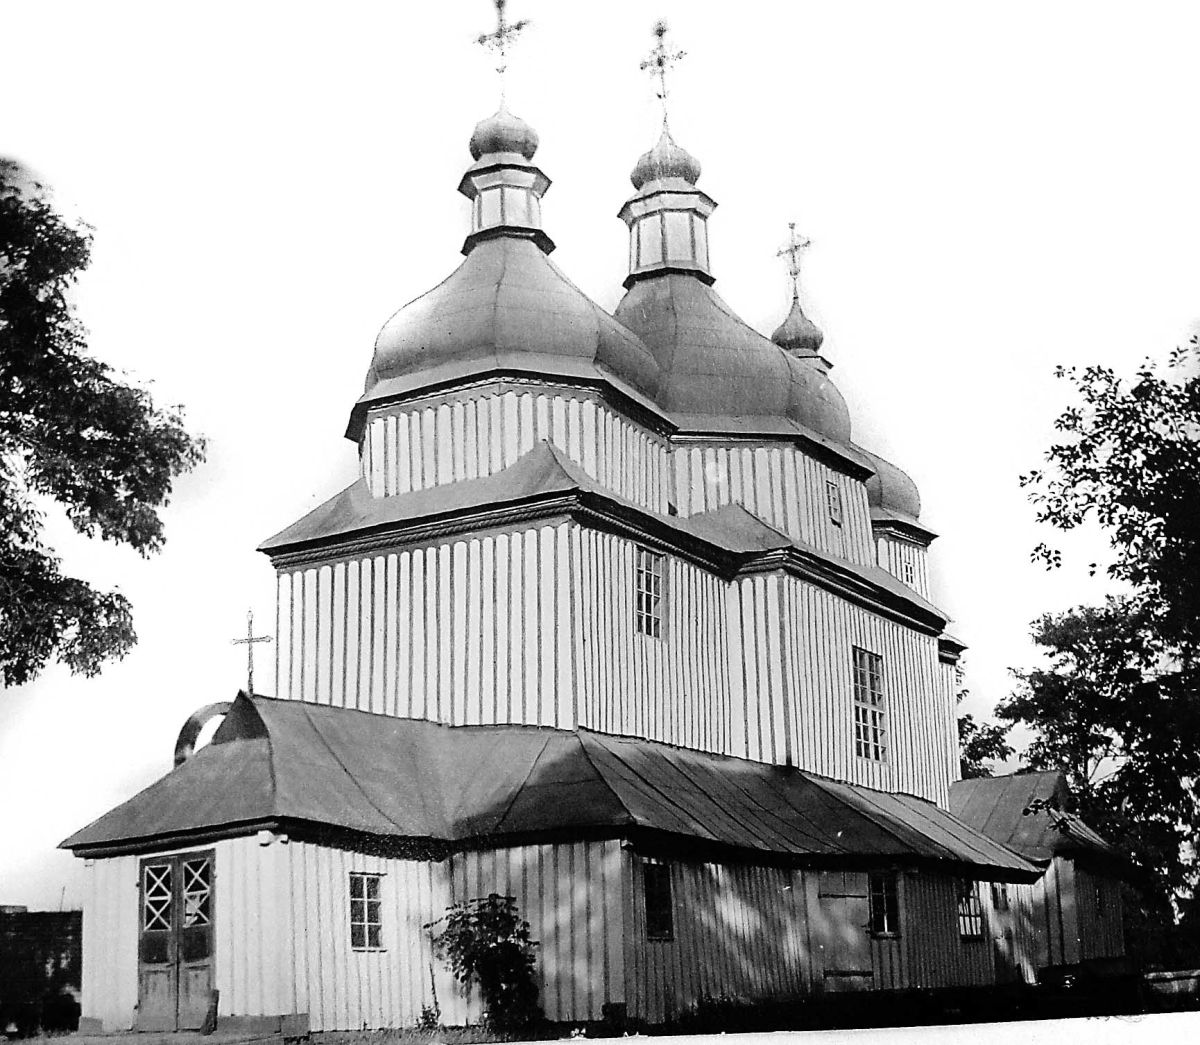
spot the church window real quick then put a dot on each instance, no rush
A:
(870, 733)
(999, 896)
(907, 572)
(648, 584)
(884, 904)
(366, 911)
(679, 235)
(833, 495)
(970, 911)
(656, 883)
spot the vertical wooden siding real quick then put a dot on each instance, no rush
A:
(935, 955)
(894, 553)
(467, 631)
(1101, 933)
(572, 897)
(816, 707)
(673, 688)
(781, 485)
(413, 448)
(110, 942)
(739, 932)
(342, 988)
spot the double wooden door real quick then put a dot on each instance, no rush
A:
(175, 945)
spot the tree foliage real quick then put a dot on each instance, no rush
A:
(1118, 706)
(979, 745)
(71, 433)
(486, 943)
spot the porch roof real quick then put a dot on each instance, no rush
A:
(996, 806)
(281, 762)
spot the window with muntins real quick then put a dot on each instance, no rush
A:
(833, 496)
(884, 904)
(648, 588)
(970, 911)
(366, 911)
(1000, 896)
(870, 724)
(656, 884)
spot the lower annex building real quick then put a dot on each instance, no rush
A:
(616, 619)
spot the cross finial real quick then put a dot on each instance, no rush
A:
(499, 40)
(249, 642)
(796, 246)
(659, 61)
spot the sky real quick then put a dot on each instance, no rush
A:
(990, 190)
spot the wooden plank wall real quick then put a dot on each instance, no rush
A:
(445, 440)
(815, 671)
(1098, 912)
(935, 955)
(675, 688)
(781, 485)
(572, 897)
(110, 942)
(739, 932)
(387, 633)
(346, 989)
(893, 553)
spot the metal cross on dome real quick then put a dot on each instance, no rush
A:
(249, 642)
(499, 40)
(796, 246)
(659, 61)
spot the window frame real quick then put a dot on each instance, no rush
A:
(833, 501)
(870, 706)
(658, 902)
(1000, 896)
(369, 942)
(883, 905)
(649, 599)
(970, 910)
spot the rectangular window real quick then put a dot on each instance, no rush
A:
(366, 911)
(970, 911)
(907, 573)
(833, 495)
(870, 733)
(999, 896)
(1099, 898)
(885, 904)
(656, 882)
(648, 588)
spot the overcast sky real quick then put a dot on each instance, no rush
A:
(990, 189)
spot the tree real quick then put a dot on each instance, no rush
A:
(71, 433)
(1118, 707)
(980, 744)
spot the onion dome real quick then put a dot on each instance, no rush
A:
(507, 308)
(503, 132)
(891, 490)
(713, 365)
(665, 160)
(798, 334)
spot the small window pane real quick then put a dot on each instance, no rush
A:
(679, 236)
(516, 206)
(650, 245)
(490, 208)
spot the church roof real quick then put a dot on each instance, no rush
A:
(996, 806)
(289, 764)
(713, 364)
(545, 474)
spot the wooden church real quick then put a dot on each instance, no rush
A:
(617, 620)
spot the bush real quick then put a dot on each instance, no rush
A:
(486, 942)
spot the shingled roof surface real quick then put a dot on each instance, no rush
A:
(996, 807)
(279, 762)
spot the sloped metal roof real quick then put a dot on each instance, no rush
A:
(996, 807)
(282, 762)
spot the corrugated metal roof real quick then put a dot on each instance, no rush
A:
(280, 761)
(996, 806)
